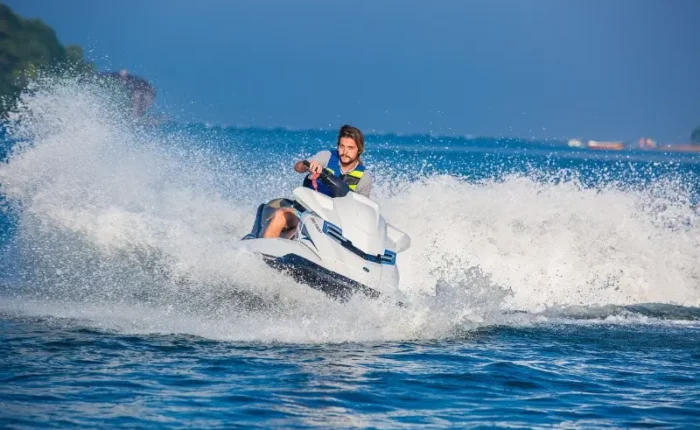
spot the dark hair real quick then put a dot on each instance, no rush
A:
(355, 134)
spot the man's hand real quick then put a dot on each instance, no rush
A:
(315, 167)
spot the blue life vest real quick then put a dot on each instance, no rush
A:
(352, 178)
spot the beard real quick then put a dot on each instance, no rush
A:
(346, 161)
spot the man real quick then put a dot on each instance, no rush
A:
(344, 162)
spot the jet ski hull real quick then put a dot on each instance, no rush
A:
(307, 272)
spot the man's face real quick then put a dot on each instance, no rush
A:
(347, 150)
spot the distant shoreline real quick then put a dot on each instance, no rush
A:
(623, 145)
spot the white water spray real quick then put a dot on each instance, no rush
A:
(139, 231)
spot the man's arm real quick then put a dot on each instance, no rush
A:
(321, 158)
(364, 187)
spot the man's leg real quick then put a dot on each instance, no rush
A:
(282, 219)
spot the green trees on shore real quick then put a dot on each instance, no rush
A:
(27, 48)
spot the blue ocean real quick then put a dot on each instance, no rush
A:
(545, 286)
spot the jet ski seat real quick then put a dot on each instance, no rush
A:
(265, 213)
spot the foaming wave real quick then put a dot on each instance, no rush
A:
(552, 243)
(98, 196)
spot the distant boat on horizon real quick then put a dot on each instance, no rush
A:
(594, 144)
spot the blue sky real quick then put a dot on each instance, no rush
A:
(598, 69)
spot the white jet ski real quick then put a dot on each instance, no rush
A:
(341, 246)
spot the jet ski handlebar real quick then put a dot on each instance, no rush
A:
(338, 187)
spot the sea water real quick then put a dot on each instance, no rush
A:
(545, 285)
